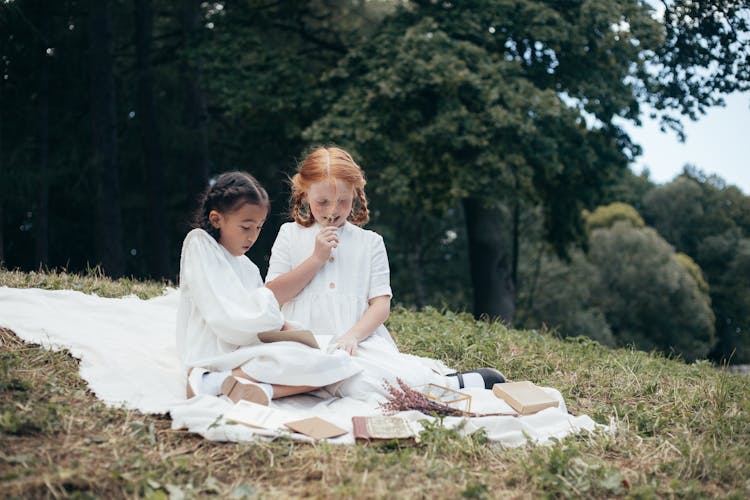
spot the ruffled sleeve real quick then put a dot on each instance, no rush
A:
(380, 274)
(281, 258)
(234, 313)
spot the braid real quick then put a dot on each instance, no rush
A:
(300, 213)
(206, 201)
(260, 194)
(360, 213)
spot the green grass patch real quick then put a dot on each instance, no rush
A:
(678, 430)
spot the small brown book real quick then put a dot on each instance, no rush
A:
(381, 427)
(302, 336)
(525, 397)
(316, 427)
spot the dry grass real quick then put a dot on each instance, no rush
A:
(93, 281)
(680, 430)
(58, 439)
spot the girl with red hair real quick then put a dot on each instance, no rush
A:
(332, 276)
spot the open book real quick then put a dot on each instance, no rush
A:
(259, 416)
(382, 427)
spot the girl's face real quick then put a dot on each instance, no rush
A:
(240, 228)
(331, 203)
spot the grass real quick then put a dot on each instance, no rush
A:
(679, 430)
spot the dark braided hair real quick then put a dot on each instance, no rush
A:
(229, 192)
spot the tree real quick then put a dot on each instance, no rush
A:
(427, 257)
(261, 66)
(606, 216)
(153, 157)
(562, 297)
(704, 55)
(677, 211)
(648, 298)
(482, 104)
(628, 188)
(104, 139)
(630, 288)
(456, 104)
(2, 152)
(197, 157)
(710, 221)
(41, 209)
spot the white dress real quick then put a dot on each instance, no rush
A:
(337, 297)
(224, 305)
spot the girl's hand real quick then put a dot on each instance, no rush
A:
(326, 240)
(348, 343)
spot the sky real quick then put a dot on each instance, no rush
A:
(718, 143)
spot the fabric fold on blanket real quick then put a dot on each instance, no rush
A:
(129, 359)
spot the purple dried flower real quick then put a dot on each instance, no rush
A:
(404, 398)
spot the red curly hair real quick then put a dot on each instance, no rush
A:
(328, 163)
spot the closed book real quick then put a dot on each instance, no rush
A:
(525, 397)
(381, 427)
(316, 427)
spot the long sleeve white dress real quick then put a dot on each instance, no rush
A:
(224, 305)
(337, 297)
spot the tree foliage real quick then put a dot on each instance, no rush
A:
(630, 288)
(710, 222)
(705, 55)
(607, 215)
(505, 105)
(647, 296)
(562, 297)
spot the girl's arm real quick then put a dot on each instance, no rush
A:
(286, 286)
(374, 316)
(235, 314)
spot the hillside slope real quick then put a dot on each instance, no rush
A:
(678, 429)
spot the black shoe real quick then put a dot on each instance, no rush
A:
(489, 375)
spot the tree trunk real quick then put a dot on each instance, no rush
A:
(2, 168)
(41, 210)
(151, 142)
(104, 139)
(420, 297)
(489, 232)
(2, 223)
(198, 158)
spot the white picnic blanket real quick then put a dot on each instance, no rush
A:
(129, 359)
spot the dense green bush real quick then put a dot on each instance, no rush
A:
(629, 288)
(562, 299)
(605, 216)
(648, 297)
(710, 222)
